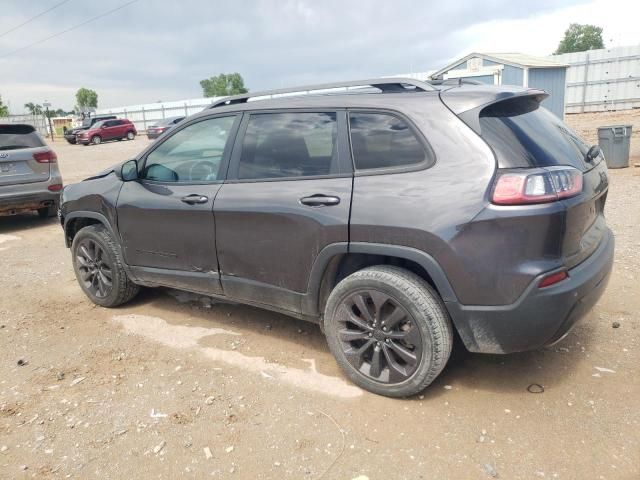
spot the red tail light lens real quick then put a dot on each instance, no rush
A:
(514, 187)
(553, 278)
(56, 187)
(48, 156)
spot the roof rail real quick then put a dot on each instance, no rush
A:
(385, 85)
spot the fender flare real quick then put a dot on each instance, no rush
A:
(426, 261)
(88, 214)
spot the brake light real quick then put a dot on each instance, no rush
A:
(48, 156)
(553, 278)
(56, 187)
(520, 187)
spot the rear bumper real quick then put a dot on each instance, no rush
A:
(540, 316)
(152, 136)
(25, 203)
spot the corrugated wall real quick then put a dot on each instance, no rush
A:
(552, 80)
(606, 79)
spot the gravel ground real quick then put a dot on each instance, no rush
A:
(175, 386)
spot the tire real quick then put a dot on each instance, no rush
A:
(122, 289)
(96, 140)
(411, 348)
(48, 212)
(72, 142)
(131, 135)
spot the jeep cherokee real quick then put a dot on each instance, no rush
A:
(391, 212)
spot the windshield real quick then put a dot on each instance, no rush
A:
(13, 137)
(98, 124)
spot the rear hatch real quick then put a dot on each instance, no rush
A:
(524, 135)
(20, 148)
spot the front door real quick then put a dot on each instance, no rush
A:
(287, 197)
(166, 219)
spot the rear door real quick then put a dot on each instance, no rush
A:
(18, 144)
(287, 196)
(166, 218)
(112, 129)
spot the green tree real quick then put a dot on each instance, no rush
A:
(580, 38)
(86, 98)
(34, 108)
(4, 110)
(223, 85)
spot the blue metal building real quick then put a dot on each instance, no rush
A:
(512, 69)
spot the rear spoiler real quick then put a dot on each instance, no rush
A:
(468, 101)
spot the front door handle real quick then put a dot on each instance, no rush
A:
(194, 198)
(319, 200)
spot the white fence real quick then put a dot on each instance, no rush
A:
(606, 79)
(145, 115)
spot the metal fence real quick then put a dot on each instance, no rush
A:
(38, 121)
(599, 80)
(145, 115)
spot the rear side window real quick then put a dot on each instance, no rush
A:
(280, 145)
(14, 137)
(524, 134)
(381, 140)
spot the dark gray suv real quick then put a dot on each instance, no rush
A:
(391, 212)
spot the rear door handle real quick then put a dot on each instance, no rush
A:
(194, 198)
(319, 200)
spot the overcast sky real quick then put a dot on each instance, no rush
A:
(159, 50)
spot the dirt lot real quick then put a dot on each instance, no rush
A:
(175, 387)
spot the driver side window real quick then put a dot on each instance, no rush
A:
(193, 154)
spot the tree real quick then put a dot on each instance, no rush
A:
(34, 108)
(86, 98)
(223, 85)
(4, 110)
(579, 38)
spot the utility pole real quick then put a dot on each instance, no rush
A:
(47, 105)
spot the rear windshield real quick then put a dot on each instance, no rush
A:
(13, 137)
(524, 134)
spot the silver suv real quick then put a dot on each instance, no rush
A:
(29, 175)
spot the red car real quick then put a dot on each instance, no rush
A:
(118, 129)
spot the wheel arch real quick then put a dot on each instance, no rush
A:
(337, 261)
(75, 221)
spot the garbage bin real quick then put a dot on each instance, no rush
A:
(614, 141)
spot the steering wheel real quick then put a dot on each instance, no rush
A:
(209, 171)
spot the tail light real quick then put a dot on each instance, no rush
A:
(56, 187)
(48, 156)
(520, 187)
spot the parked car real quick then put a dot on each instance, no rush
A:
(393, 216)
(29, 175)
(157, 129)
(70, 134)
(118, 129)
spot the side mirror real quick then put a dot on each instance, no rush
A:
(129, 171)
(594, 152)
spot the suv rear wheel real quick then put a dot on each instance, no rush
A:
(388, 330)
(98, 268)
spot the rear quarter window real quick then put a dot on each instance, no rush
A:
(382, 140)
(523, 134)
(14, 137)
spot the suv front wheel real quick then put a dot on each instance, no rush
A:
(389, 330)
(98, 268)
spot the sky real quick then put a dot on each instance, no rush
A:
(153, 50)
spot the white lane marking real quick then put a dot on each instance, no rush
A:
(178, 336)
